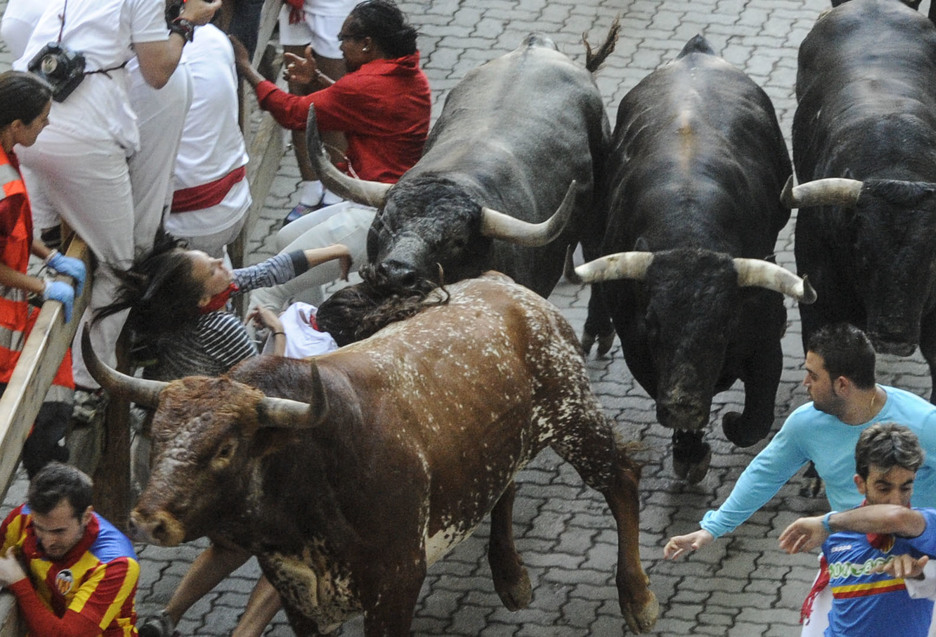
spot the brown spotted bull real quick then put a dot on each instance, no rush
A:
(375, 460)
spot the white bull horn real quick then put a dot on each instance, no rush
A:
(138, 390)
(623, 265)
(498, 225)
(760, 273)
(294, 414)
(369, 193)
(822, 192)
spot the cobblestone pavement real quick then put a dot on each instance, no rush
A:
(742, 585)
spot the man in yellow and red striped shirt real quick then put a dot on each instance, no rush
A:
(73, 573)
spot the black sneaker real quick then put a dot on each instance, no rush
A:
(158, 626)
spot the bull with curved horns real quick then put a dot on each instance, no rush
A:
(505, 182)
(695, 174)
(864, 145)
(349, 474)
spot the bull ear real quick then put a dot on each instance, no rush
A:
(293, 414)
(142, 392)
(370, 193)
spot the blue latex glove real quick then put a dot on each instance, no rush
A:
(60, 291)
(69, 266)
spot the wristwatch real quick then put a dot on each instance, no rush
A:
(185, 28)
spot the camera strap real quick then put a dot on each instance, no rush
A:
(59, 42)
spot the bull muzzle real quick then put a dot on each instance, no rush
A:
(159, 528)
(683, 414)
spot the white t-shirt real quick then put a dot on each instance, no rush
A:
(302, 340)
(212, 143)
(104, 31)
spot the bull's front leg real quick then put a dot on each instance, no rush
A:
(760, 374)
(605, 466)
(638, 603)
(511, 580)
(390, 590)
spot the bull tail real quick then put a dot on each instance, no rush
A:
(594, 59)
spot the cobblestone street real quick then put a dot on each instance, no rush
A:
(743, 585)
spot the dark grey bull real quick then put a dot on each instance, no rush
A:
(864, 145)
(696, 168)
(519, 139)
(349, 474)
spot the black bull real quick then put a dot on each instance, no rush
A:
(864, 146)
(696, 168)
(519, 139)
(401, 444)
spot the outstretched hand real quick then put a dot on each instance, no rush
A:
(681, 544)
(300, 70)
(803, 535)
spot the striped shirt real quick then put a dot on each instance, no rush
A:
(220, 340)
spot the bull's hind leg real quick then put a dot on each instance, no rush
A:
(510, 577)
(605, 466)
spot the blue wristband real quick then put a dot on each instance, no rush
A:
(825, 521)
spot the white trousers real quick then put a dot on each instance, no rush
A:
(345, 223)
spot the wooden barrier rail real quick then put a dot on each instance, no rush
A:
(39, 361)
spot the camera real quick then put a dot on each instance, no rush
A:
(62, 68)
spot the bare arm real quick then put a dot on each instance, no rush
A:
(806, 534)
(318, 256)
(158, 60)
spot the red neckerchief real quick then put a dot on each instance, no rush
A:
(881, 541)
(295, 11)
(218, 301)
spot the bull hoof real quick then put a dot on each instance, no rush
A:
(588, 341)
(691, 456)
(516, 595)
(640, 620)
(605, 342)
(692, 471)
(740, 433)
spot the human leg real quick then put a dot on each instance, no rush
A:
(344, 223)
(211, 567)
(161, 117)
(262, 606)
(88, 184)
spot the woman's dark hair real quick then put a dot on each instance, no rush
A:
(23, 96)
(159, 291)
(385, 24)
(358, 311)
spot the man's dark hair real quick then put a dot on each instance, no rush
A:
(56, 481)
(846, 351)
(887, 445)
(385, 24)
